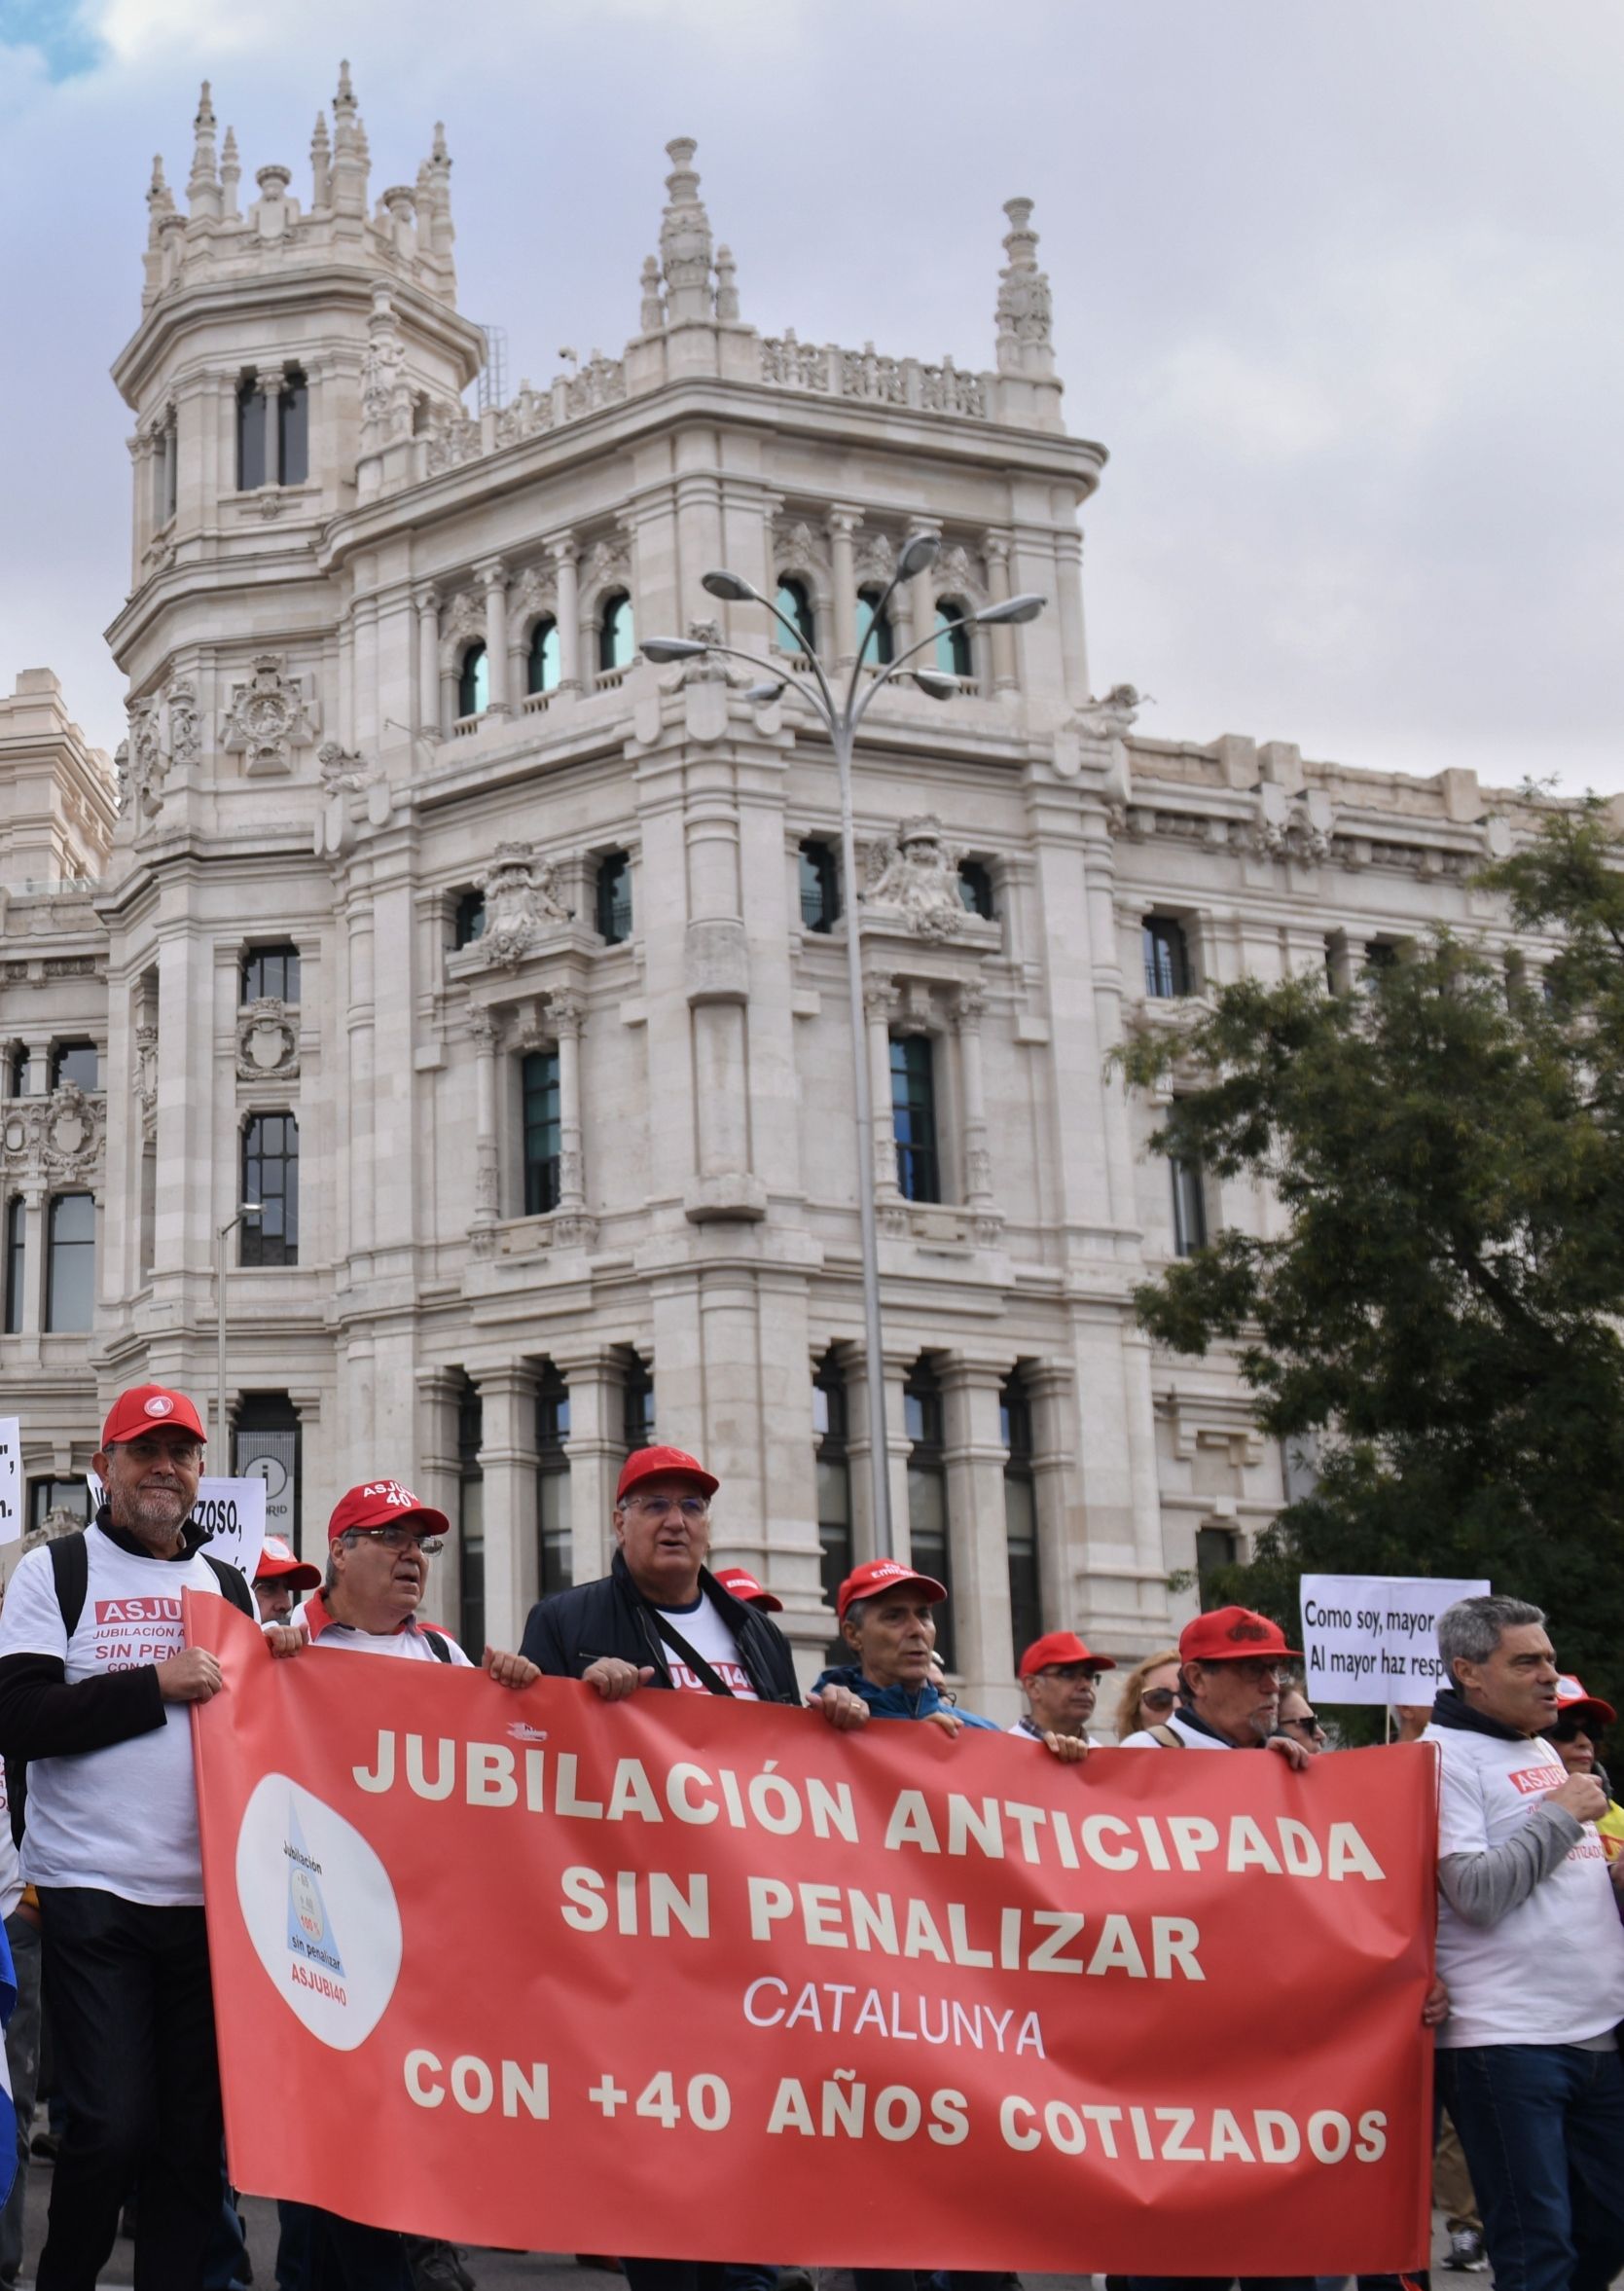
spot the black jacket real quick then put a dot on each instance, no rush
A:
(567, 1632)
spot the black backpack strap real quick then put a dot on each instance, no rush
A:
(70, 1565)
(437, 1645)
(233, 1585)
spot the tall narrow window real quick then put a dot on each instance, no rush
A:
(929, 1536)
(539, 1075)
(914, 1117)
(615, 647)
(71, 1273)
(468, 918)
(1189, 1207)
(292, 428)
(470, 1523)
(795, 604)
(542, 671)
(270, 970)
(1216, 1549)
(16, 1262)
(879, 648)
(638, 1407)
(834, 1487)
(79, 1063)
(1026, 1608)
(1167, 958)
(20, 1073)
(163, 471)
(270, 1176)
(819, 887)
(952, 639)
(473, 682)
(975, 890)
(554, 1569)
(613, 899)
(250, 435)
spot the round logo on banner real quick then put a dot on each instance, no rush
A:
(320, 1912)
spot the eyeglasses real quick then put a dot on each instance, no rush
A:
(1158, 1698)
(186, 1453)
(692, 1507)
(1308, 1721)
(399, 1538)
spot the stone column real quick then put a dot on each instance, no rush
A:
(1068, 575)
(843, 525)
(596, 1449)
(143, 449)
(563, 551)
(568, 1013)
(33, 1260)
(1049, 1386)
(493, 579)
(974, 1454)
(879, 1004)
(924, 607)
(508, 1460)
(164, 509)
(969, 1012)
(996, 547)
(487, 1166)
(865, 1534)
(427, 602)
(436, 1478)
(271, 385)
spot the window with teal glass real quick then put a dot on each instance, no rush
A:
(880, 649)
(473, 683)
(795, 604)
(543, 670)
(952, 639)
(615, 645)
(914, 1117)
(540, 1082)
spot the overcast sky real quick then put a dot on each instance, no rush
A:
(1337, 282)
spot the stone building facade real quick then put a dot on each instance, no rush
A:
(507, 971)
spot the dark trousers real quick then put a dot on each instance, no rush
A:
(695, 2274)
(1543, 2127)
(22, 2058)
(1221, 2283)
(127, 1995)
(317, 2251)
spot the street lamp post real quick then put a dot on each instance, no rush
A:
(841, 717)
(222, 1233)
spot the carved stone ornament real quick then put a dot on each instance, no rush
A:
(609, 566)
(266, 1041)
(916, 878)
(386, 392)
(956, 575)
(520, 905)
(149, 761)
(268, 718)
(795, 550)
(532, 595)
(344, 774)
(874, 558)
(461, 622)
(58, 1138)
(146, 1079)
(1114, 716)
(185, 728)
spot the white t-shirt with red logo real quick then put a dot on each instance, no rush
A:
(1552, 1971)
(123, 1820)
(708, 1635)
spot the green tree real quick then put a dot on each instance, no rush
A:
(1436, 1313)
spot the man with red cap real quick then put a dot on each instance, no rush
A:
(744, 1586)
(1230, 1666)
(1060, 1680)
(659, 1618)
(94, 1688)
(278, 1577)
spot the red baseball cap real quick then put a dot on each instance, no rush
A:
(883, 1575)
(744, 1586)
(146, 1408)
(663, 1464)
(382, 1503)
(1233, 1634)
(1571, 1696)
(278, 1564)
(1059, 1647)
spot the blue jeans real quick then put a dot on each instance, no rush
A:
(1543, 2127)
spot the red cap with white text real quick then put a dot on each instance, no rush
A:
(744, 1586)
(382, 1503)
(1234, 1634)
(149, 1407)
(884, 1575)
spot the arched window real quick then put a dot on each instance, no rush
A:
(952, 639)
(613, 902)
(270, 1176)
(614, 633)
(473, 682)
(250, 434)
(543, 672)
(881, 649)
(796, 605)
(293, 430)
(819, 887)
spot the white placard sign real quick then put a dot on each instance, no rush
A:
(11, 1479)
(233, 1511)
(1374, 1638)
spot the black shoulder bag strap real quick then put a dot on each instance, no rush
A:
(714, 1683)
(233, 1585)
(437, 1645)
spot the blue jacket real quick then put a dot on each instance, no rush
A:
(896, 1702)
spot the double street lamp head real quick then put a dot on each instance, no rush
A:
(661, 649)
(1026, 607)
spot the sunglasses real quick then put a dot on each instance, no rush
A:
(1158, 1698)
(1309, 1722)
(1569, 1730)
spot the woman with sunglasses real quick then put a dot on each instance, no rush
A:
(1149, 1693)
(1299, 1719)
(1579, 1737)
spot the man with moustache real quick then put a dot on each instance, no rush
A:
(1230, 1667)
(1060, 1680)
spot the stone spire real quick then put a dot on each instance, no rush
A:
(321, 162)
(651, 314)
(231, 174)
(1023, 307)
(727, 287)
(685, 238)
(160, 203)
(442, 232)
(202, 188)
(348, 178)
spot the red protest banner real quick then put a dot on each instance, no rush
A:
(688, 1977)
